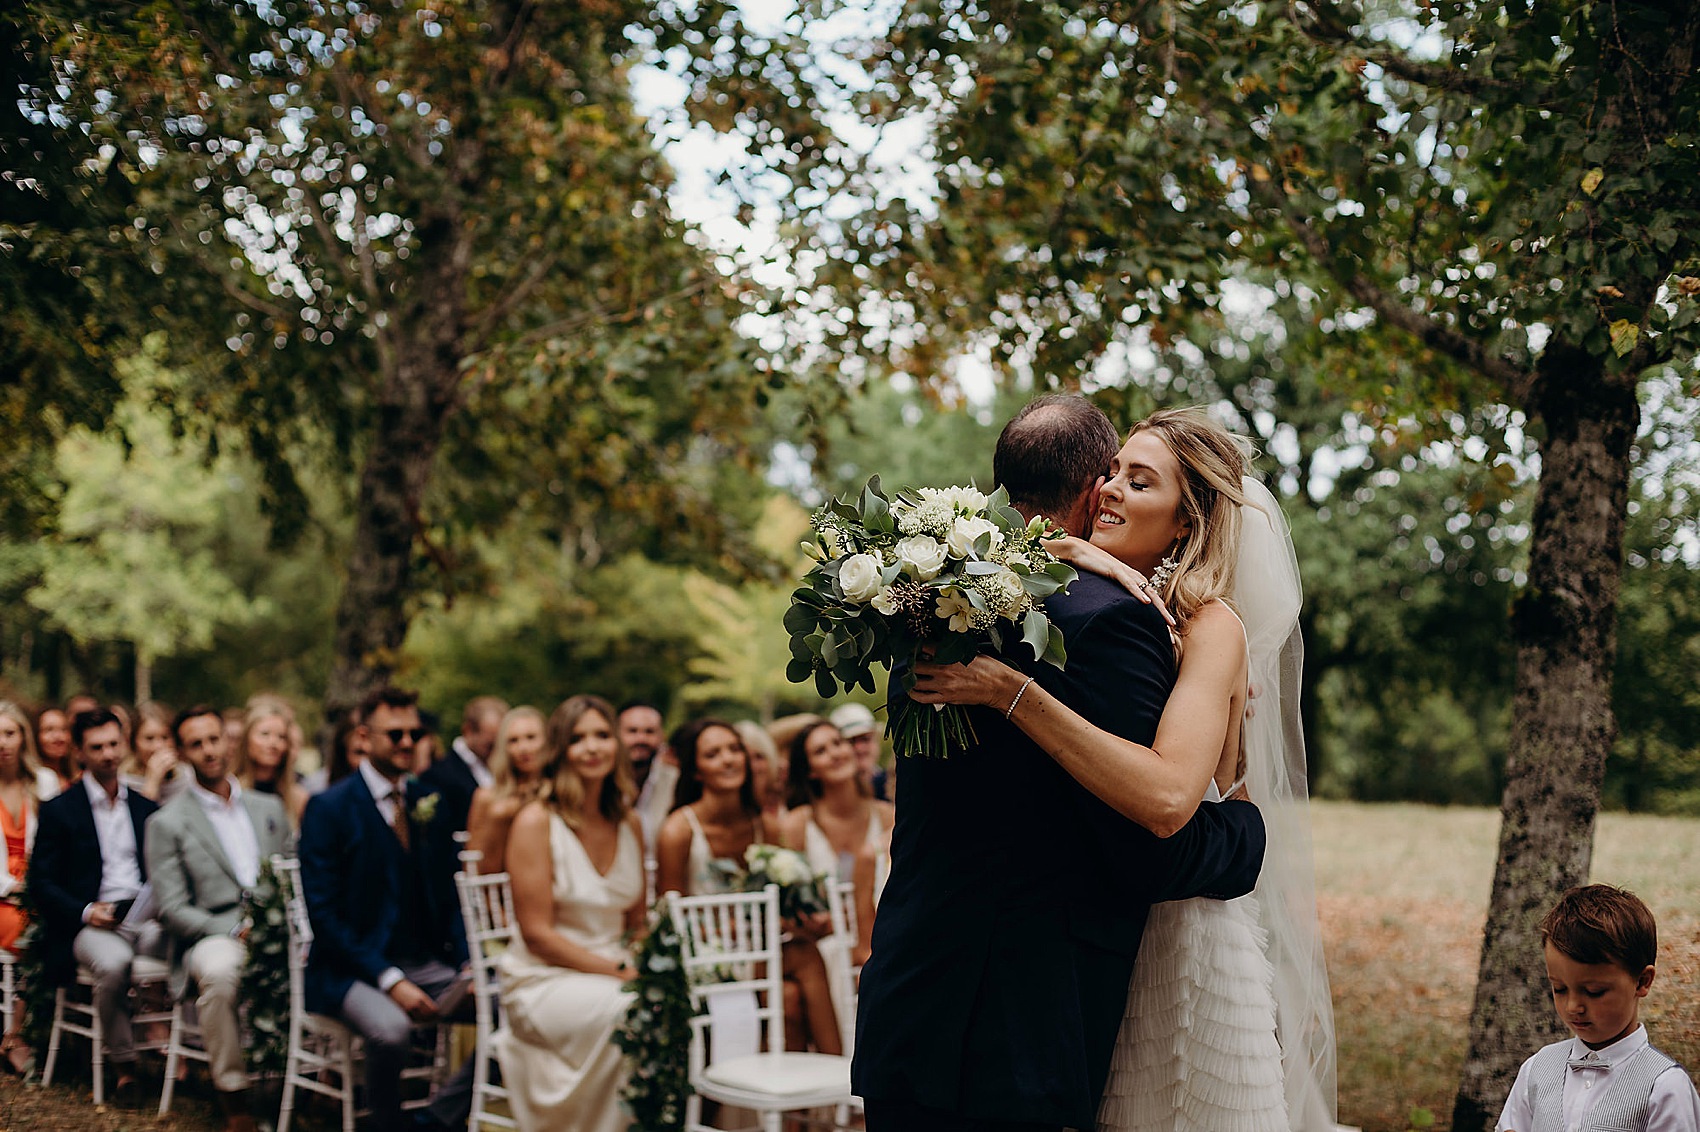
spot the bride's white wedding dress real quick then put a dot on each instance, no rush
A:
(1229, 1024)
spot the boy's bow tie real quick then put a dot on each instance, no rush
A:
(1589, 1060)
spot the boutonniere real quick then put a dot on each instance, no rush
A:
(425, 809)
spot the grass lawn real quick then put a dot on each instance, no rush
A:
(1403, 892)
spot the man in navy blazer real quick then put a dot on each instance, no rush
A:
(85, 872)
(1007, 933)
(378, 859)
(466, 767)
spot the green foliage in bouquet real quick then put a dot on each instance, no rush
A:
(34, 992)
(265, 977)
(655, 1034)
(949, 571)
(802, 891)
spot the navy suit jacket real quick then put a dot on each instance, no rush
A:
(1007, 932)
(65, 870)
(351, 875)
(452, 778)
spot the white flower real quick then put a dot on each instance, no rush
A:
(960, 499)
(965, 530)
(859, 577)
(954, 604)
(922, 556)
(882, 601)
(931, 517)
(1002, 593)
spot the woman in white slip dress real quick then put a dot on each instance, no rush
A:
(833, 814)
(1229, 1026)
(576, 859)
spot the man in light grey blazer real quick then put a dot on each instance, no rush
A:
(204, 850)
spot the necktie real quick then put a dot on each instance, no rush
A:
(399, 821)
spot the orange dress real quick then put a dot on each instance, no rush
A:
(12, 919)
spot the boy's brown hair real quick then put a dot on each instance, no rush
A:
(1602, 924)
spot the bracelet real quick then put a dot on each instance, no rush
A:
(1019, 692)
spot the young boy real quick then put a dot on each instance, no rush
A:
(1600, 946)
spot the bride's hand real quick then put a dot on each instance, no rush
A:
(1082, 555)
(982, 681)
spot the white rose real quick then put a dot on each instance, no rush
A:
(922, 556)
(859, 577)
(964, 531)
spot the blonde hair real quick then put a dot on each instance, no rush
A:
(260, 708)
(563, 790)
(501, 769)
(1213, 461)
(150, 711)
(28, 763)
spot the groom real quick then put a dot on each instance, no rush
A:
(1007, 932)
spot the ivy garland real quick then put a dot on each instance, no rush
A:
(265, 977)
(655, 1035)
(35, 995)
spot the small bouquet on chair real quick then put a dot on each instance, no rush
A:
(802, 891)
(945, 572)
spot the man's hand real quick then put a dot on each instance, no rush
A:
(419, 1006)
(101, 915)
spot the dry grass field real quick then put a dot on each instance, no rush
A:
(1403, 892)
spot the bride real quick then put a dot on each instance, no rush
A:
(1228, 1026)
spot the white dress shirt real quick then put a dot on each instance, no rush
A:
(120, 865)
(1672, 1106)
(389, 796)
(235, 829)
(480, 772)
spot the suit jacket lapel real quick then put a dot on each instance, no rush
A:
(266, 836)
(201, 826)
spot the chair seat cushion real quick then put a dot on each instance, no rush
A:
(783, 1074)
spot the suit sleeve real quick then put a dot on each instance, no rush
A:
(50, 863)
(325, 876)
(1220, 850)
(170, 879)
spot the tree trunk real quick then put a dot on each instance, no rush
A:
(1565, 627)
(144, 681)
(421, 360)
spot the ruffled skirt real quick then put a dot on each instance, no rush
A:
(1197, 1050)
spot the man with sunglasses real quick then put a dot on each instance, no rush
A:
(377, 869)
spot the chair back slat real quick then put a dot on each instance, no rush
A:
(288, 872)
(732, 941)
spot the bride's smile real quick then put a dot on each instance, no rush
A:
(1139, 504)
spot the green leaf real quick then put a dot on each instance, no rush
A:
(1035, 632)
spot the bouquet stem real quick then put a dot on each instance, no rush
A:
(920, 731)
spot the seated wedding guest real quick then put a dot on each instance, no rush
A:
(377, 869)
(22, 783)
(425, 752)
(702, 844)
(81, 702)
(516, 777)
(576, 859)
(832, 814)
(85, 872)
(53, 747)
(655, 769)
(767, 774)
(347, 748)
(204, 850)
(265, 757)
(862, 731)
(152, 763)
(466, 768)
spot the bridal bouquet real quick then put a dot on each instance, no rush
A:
(801, 891)
(951, 571)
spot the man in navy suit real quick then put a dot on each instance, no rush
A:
(85, 872)
(458, 774)
(1007, 932)
(378, 859)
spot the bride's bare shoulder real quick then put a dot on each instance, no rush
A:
(1215, 627)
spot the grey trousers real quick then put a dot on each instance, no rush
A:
(389, 1040)
(108, 954)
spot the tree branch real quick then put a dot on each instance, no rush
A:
(505, 303)
(1425, 328)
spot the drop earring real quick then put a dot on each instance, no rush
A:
(1165, 569)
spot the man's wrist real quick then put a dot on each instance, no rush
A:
(389, 977)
